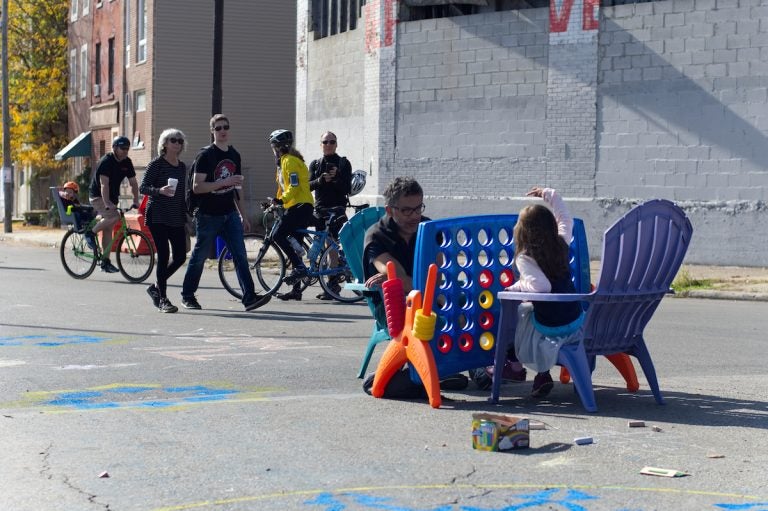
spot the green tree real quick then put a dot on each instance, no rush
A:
(37, 81)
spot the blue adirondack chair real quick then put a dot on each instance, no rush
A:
(642, 253)
(352, 238)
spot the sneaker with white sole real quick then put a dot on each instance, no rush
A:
(166, 306)
(190, 303)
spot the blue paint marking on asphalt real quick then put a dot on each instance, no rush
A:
(94, 400)
(550, 499)
(756, 506)
(332, 503)
(51, 341)
(130, 390)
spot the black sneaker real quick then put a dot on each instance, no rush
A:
(324, 296)
(90, 240)
(257, 301)
(167, 306)
(296, 275)
(190, 303)
(542, 385)
(154, 293)
(482, 379)
(293, 294)
(108, 267)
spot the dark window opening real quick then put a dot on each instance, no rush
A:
(414, 10)
(330, 17)
(97, 65)
(111, 66)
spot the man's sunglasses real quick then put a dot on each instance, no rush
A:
(174, 140)
(326, 142)
(410, 211)
(219, 128)
(123, 147)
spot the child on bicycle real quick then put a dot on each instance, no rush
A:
(541, 240)
(82, 214)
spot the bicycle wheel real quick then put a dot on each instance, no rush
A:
(332, 278)
(135, 256)
(266, 261)
(77, 257)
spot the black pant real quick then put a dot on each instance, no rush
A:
(297, 217)
(177, 236)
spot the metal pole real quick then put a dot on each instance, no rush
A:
(218, 47)
(7, 168)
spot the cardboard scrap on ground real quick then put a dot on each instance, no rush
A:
(662, 472)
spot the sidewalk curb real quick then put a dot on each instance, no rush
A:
(724, 295)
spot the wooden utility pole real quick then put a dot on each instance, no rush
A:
(7, 168)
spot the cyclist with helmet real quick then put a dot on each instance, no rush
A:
(104, 193)
(293, 193)
(330, 177)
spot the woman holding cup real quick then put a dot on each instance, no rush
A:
(164, 183)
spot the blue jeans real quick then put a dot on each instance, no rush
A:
(207, 227)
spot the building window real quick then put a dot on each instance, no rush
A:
(102, 147)
(86, 7)
(111, 65)
(141, 101)
(97, 70)
(127, 32)
(140, 118)
(73, 12)
(83, 70)
(73, 74)
(329, 17)
(141, 31)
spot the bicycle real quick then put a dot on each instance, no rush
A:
(134, 251)
(269, 264)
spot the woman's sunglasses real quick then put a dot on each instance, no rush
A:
(174, 140)
(219, 128)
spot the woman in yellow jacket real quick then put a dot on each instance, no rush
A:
(293, 193)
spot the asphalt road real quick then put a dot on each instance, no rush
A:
(221, 409)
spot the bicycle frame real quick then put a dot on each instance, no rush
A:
(133, 261)
(328, 265)
(121, 233)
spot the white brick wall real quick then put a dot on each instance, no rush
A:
(665, 99)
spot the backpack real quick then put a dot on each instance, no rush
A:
(192, 200)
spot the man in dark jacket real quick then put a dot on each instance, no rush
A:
(330, 178)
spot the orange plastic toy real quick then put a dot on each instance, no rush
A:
(412, 343)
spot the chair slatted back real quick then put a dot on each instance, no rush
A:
(642, 253)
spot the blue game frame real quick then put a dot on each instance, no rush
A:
(474, 255)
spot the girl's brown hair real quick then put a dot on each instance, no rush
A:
(536, 236)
